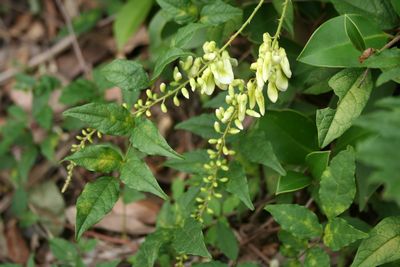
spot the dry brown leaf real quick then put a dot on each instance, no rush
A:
(17, 248)
(139, 217)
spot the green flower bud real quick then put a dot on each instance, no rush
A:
(164, 108)
(163, 87)
(149, 94)
(176, 101)
(177, 74)
(217, 127)
(185, 92)
(193, 84)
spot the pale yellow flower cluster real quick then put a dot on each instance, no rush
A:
(272, 67)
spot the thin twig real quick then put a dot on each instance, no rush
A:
(259, 254)
(75, 44)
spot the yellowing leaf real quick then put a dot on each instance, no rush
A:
(339, 233)
(99, 158)
(95, 201)
(296, 219)
(382, 245)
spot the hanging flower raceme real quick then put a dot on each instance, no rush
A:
(219, 71)
(272, 66)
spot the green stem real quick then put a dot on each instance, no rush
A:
(247, 22)
(176, 90)
(281, 19)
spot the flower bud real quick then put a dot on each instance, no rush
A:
(163, 87)
(260, 101)
(272, 92)
(193, 84)
(177, 74)
(176, 101)
(185, 92)
(164, 108)
(281, 80)
(217, 127)
(253, 113)
(239, 124)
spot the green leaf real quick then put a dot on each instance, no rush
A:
(136, 175)
(316, 257)
(164, 59)
(238, 184)
(337, 186)
(191, 162)
(317, 162)
(80, 90)
(146, 138)
(381, 150)
(354, 34)
(353, 88)
(98, 158)
(288, 18)
(325, 49)
(201, 125)
(379, 11)
(226, 241)
(148, 251)
(296, 219)
(396, 6)
(128, 20)
(387, 75)
(107, 118)
(255, 141)
(180, 10)
(291, 182)
(291, 134)
(219, 12)
(339, 233)
(382, 245)
(63, 250)
(211, 264)
(189, 239)
(95, 201)
(389, 58)
(126, 74)
(185, 35)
